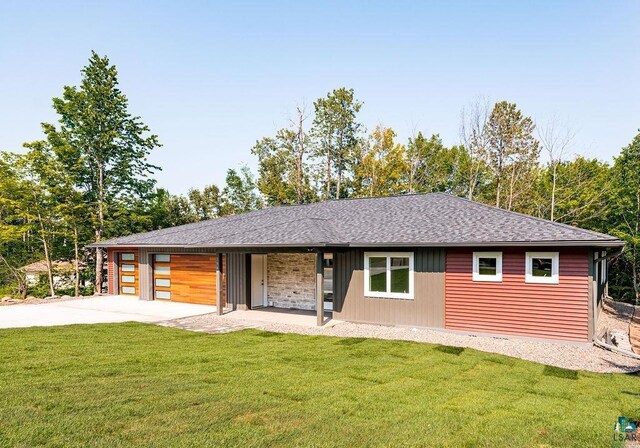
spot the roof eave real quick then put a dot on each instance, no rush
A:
(557, 243)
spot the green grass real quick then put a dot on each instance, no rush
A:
(135, 384)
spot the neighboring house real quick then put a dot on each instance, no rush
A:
(428, 260)
(63, 273)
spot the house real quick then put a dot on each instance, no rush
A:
(63, 273)
(424, 260)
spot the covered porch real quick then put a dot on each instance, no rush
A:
(271, 285)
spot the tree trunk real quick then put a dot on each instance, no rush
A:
(47, 255)
(328, 178)
(76, 262)
(99, 229)
(553, 191)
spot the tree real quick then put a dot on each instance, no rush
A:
(578, 190)
(169, 210)
(335, 131)
(102, 146)
(625, 219)
(282, 165)
(239, 194)
(382, 167)
(475, 141)
(206, 203)
(513, 153)
(434, 167)
(14, 226)
(555, 142)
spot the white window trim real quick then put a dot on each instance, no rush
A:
(555, 268)
(388, 294)
(477, 277)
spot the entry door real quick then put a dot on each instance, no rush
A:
(258, 281)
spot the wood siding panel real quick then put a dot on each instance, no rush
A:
(425, 310)
(513, 307)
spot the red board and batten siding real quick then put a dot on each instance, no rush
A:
(513, 307)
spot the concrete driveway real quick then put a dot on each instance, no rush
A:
(97, 310)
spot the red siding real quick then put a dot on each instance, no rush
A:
(110, 267)
(513, 307)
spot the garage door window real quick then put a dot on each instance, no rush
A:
(163, 295)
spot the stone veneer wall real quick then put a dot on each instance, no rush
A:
(291, 280)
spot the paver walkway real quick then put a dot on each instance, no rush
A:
(209, 324)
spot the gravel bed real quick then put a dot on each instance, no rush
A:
(566, 356)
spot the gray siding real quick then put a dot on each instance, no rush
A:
(425, 310)
(237, 280)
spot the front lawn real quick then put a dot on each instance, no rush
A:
(135, 384)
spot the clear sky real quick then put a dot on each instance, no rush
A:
(211, 78)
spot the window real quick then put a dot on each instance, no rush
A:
(388, 275)
(163, 282)
(128, 279)
(166, 295)
(128, 290)
(128, 268)
(127, 257)
(542, 267)
(162, 258)
(163, 270)
(487, 266)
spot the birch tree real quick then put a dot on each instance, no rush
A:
(555, 142)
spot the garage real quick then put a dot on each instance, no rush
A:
(187, 278)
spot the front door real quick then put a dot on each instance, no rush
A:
(258, 280)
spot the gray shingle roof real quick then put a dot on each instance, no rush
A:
(435, 219)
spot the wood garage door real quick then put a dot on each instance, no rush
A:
(185, 278)
(128, 273)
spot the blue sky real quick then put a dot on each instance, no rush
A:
(211, 78)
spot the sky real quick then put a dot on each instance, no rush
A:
(211, 78)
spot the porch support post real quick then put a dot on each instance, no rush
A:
(320, 287)
(219, 284)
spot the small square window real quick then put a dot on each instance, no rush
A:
(162, 258)
(128, 290)
(487, 266)
(542, 267)
(128, 268)
(128, 279)
(127, 257)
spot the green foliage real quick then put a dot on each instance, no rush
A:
(239, 194)
(382, 167)
(624, 220)
(512, 155)
(335, 131)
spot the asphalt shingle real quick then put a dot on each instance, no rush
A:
(435, 219)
